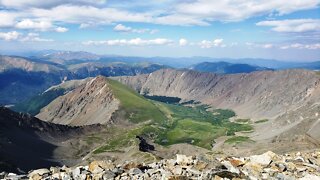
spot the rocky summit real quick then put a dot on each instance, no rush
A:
(299, 165)
(90, 103)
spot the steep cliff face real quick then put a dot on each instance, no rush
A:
(90, 103)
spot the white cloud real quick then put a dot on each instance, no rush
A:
(131, 42)
(89, 14)
(84, 25)
(39, 25)
(205, 44)
(31, 24)
(183, 42)
(260, 45)
(293, 25)
(7, 19)
(123, 28)
(168, 12)
(30, 37)
(47, 3)
(217, 42)
(267, 46)
(93, 16)
(210, 44)
(180, 19)
(236, 10)
(301, 46)
(61, 29)
(312, 46)
(34, 37)
(9, 36)
(284, 46)
(199, 12)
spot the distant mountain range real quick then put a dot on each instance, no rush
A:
(71, 57)
(226, 68)
(186, 62)
(42, 69)
(22, 78)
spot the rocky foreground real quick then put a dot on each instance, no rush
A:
(265, 166)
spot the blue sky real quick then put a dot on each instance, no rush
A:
(276, 29)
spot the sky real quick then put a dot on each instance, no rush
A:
(273, 29)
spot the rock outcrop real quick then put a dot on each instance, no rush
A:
(265, 166)
(144, 146)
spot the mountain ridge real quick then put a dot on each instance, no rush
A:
(287, 99)
(216, 89)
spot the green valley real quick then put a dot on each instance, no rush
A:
(171, 123)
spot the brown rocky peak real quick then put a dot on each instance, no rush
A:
(100, 78)
(91, 103)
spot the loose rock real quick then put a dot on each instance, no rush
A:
(304, 166)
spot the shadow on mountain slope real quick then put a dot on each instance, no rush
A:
(29, 143)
